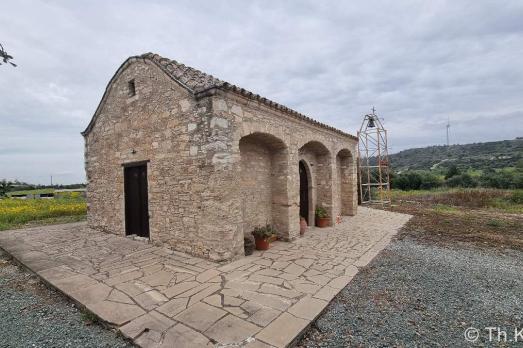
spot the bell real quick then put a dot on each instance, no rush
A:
(371, 122)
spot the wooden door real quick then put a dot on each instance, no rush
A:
(304, 193)
(136, 201)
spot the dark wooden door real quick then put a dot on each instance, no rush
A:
(136, 202)
(304, 193)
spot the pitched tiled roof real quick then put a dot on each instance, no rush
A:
(193, 79)
(199, 82)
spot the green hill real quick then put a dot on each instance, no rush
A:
(477, 156)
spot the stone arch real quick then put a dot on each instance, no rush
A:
(318, 157)
(345, 182)
(263, 183)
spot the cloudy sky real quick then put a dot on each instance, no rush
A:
(417, 62)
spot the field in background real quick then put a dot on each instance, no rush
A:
(484, 217)
(17, 213)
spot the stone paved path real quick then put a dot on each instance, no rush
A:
(161, 298)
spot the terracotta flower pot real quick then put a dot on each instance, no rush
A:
(262, 244)
(322, 222)
(303, 226)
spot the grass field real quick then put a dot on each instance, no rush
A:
(17, 213)
(484, 217)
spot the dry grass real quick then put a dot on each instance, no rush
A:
(487, 218)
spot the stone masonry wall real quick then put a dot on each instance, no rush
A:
(165, 125)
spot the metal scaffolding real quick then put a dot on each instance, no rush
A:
(373, 161)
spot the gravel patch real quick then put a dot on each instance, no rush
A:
(418, 295)
(31, 315)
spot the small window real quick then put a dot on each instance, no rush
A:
(132, 88)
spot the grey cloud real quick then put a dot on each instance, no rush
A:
(417, 62)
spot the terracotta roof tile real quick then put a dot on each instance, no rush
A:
(198, 82)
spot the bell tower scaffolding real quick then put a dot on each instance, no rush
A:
(373, 161)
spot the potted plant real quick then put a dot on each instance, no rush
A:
(322, 218)
(263, 236)
(303, 225)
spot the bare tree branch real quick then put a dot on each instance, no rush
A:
(6, 58)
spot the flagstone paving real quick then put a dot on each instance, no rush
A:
(162, 298)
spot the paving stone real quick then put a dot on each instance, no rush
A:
(118, 296)
(179, 288)
(173, 307)
(76, 282)
(277, 290)
(158, 278)
(251, 307)
(232, 301)
(340, 282)
(243, 285)
(264, 316)
(200, 316)
(205, 276)
(269, 272)
(282, 330)
(231, 329)
(295, 269)
(304, 262)
(308, 308)
(280, 264)
(266, 279)
(150, 299)
(181, 336)
(115, 313)
(307, 288)
(91, 294)
(326, 293)
(152, 321)
(267, 300)
(237, 311)
(133, 288)
(288, 276)
(56, 273)
(214, 300)
(204, 293)
(122, 278)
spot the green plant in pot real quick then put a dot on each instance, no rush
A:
(322, 217)
(263, 236)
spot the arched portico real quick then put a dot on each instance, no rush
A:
(263, 183)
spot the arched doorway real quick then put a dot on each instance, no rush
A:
(304, 192)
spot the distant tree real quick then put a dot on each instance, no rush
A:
(461, 180)
(5, 186)
(452, 171)
(6, 58)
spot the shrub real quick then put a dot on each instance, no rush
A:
(264, 232)
(517, 197)
(321, 212)
(461, 180)
(416, 180)
(452, 171)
